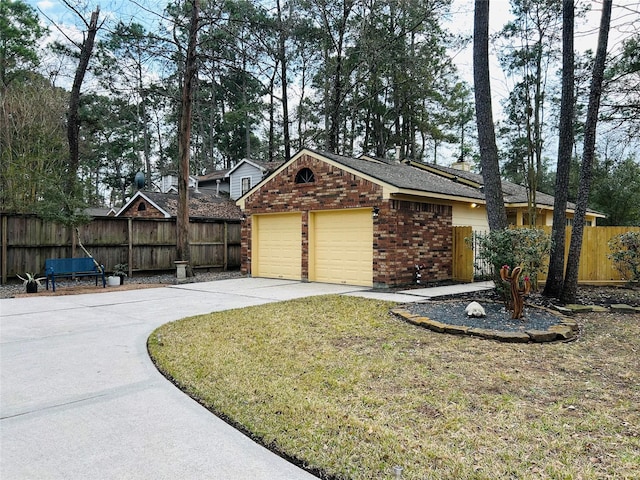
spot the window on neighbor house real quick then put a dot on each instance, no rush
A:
(305, 176)
(246, 184)
(142, 206)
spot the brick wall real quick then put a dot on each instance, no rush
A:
(405, 233)
(411, 233)
(148, 211)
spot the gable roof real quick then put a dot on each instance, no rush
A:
(200, 205)
(395, 179)
(212, 176)
(420, 179)
(264, 167)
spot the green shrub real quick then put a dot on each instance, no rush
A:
(527, 247)
(625, 253)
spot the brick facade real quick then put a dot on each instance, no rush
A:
(405, 233)
(408, 234)
(142, 208)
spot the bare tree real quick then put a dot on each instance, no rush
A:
(555, 275)
(184, 140)
(496, 212)
(570, 287)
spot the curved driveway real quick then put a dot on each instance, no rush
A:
(80, 398)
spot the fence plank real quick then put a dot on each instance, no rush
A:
(595, 266)
(145, 244)
(462, 269)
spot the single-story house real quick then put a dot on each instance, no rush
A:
(328, 218)
(165, 205)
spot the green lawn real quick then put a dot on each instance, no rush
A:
(348, 390)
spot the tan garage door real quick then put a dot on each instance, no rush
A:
(277, 246)
(341, 247)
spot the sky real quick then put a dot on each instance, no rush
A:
(461, 22)
(625, 21)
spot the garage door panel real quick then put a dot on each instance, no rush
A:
(342, 248)
(277, 246)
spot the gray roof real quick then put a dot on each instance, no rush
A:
(200, 205)
(406, 177)
(512, 192)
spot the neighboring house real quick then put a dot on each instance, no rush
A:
(328, 218)
(100, 212)
(246, 174)
(169, 183)
(214, 183)
(165, 205)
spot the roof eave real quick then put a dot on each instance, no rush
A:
(140, 194)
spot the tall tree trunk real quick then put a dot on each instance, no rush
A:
(496, 213)
(184, 141)
(282, 53)
(272, 120)
(555, 275)
(570, 286)
(73, 122)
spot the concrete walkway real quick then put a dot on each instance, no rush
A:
(80, 398)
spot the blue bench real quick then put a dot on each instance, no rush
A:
(72, 267)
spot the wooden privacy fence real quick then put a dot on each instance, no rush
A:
(143, 243)
(595, 266)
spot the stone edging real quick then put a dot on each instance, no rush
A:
(564, 330)
(570, 309)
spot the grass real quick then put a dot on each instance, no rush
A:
(347, 390)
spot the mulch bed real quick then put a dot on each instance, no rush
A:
(452, 312)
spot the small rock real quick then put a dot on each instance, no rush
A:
(622, 308)
(563, 310)
(599, 309)
(456, 329)
(562, 331)
(474, 309)
(569, 322)
(540, 336)
(483, 332)
(579, 308)
(435, 326)
(512, 337)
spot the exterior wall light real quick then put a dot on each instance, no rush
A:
(474, 205)
(376, 212)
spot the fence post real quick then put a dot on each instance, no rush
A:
(74, 240)
(5, 240)
(226, 246)
(130, 245)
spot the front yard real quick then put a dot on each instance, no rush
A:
(348, 391)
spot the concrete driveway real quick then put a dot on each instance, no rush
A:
(80, 398)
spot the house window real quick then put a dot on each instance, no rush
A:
(305, 176)
(142, 206)
(246, 184)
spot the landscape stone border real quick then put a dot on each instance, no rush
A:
(570, 309)
(565, 330)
